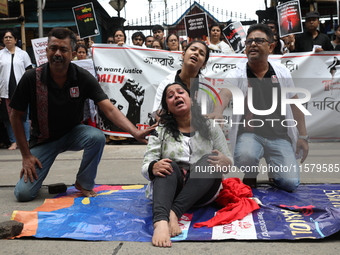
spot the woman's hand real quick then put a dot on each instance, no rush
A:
(162, 168)
(219, 160)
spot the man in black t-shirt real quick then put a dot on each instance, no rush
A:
(312, 39)
(56, 93)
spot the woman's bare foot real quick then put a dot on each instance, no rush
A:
(13, 146)
(161, 236)
(86, 193)
(175, 229)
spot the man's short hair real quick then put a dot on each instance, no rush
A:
(138, 34)
(157, 27)
(263, 28)
(63, 33)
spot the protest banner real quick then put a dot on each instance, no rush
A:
(39, 48)
(289, 18)
(130, 76)
(236, 36)
(196, 27)
(86, 64)
(86, 21)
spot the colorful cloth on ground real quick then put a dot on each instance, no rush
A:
(122, 213)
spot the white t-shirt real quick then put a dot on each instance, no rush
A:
(21, 61)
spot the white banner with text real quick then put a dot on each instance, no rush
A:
(130, 76)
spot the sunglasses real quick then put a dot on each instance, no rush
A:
(257, 40)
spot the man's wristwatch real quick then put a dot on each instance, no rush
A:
(304, 137)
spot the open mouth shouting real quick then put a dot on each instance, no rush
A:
(57, 59)
(194, 59)
(179, 102)
(253, 51)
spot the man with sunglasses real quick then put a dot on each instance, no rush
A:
(254, 136)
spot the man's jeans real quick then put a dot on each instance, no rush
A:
(278, 153)
(91, 139)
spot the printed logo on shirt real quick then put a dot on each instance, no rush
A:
(74, 92)
(274, 79)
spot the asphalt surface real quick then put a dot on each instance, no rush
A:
(120, 165)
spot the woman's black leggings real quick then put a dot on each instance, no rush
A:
(171, 193)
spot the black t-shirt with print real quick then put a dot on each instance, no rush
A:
(263, 100)
(65, 105)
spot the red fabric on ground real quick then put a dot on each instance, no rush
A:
(234, 197)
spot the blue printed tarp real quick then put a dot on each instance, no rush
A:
(122, 213)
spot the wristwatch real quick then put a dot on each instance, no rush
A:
(304, 137)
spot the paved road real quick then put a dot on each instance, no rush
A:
(121, 165)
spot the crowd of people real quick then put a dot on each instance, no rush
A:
(310, 40)
(183, 138)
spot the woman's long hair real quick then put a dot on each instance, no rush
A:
(199, 122)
